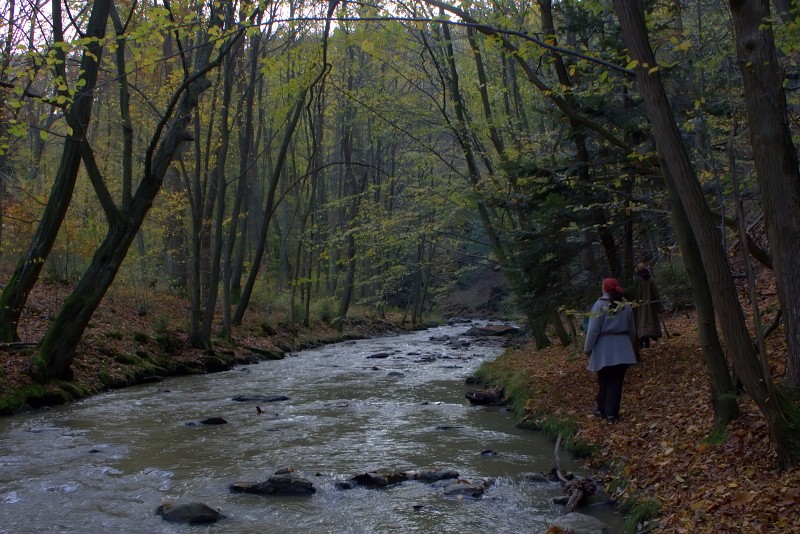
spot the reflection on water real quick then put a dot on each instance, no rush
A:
(106, 463)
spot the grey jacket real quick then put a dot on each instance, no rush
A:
(611, 335)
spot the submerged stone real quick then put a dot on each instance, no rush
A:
(214, 421)
(259, 398)
(193, 513)
(580, 524)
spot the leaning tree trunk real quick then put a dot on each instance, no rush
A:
(775, 160)
(258, 256)
(56, 351)
(754, 373)
(26, 273)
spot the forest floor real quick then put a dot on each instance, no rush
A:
(664, 448)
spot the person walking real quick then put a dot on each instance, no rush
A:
(650, 308)
(611, 347)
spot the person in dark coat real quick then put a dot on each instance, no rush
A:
(611, 347)
(648, 312)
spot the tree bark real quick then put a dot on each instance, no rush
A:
(784, 430)
(26, 273)
(57, 349)
(775, 160)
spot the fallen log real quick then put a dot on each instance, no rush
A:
(578, 490)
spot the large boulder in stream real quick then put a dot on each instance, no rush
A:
(434, 475)
(193, 513)
(381, 479)
(279, 484)
(259, 398)
(267, 354)
(375, 479)
(215, 362)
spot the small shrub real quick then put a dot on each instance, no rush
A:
(639, 513)
(127, 359)
(324, 309)
(161, 325)
(141, 337)
(267, 329)
(168, 342)
(717, 436)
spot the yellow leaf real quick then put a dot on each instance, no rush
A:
(632, 64)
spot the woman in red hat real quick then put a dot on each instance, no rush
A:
(611, 347)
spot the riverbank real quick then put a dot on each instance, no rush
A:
(135, 339)
(663, 463)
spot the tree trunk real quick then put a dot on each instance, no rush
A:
(723, 393)
(269, 208)
(596, 214)
(784, 430)
(26, 273)
(563, 336)
(221, 186)
(57, 348)
(775, 160)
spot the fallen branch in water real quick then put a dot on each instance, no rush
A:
(578, 490)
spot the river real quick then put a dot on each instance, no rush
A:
(105, 463)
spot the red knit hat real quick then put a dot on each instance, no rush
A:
(610, 284)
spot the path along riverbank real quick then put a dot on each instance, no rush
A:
(663, 460)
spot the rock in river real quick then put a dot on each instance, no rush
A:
(259, 398)
(194, 513)
(486, 397)
(214, 421)
(492, 330)
(283, 484)
(464, 488)
(580, 523)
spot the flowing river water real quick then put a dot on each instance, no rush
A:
(102, 465)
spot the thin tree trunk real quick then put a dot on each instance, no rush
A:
(269, 209)
(597, 215)
(216, 266)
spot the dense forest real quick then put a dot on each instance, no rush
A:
(309, 155)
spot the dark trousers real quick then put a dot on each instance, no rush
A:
(609, 391)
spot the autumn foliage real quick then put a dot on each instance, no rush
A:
(664, 447)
